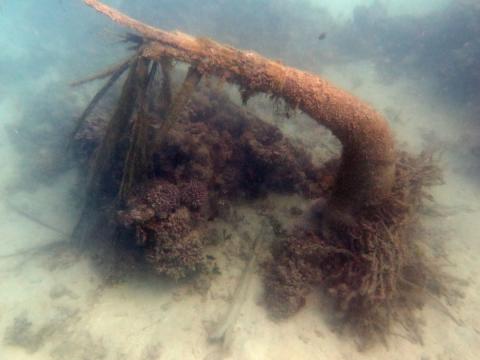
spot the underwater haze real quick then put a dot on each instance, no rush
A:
(186, 259)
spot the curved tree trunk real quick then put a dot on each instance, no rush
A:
(368, 158)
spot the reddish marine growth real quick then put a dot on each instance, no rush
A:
(170, 162)
(216, 152)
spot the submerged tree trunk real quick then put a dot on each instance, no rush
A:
(367, 167)
(367, 261)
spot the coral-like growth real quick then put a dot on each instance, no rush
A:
(155, 198)
(373, 270)
(162, 196)
(195, 196)
(233, 152)
(176, 249)
(164, 228)
(214, 153)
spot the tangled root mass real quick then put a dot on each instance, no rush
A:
(373, 271)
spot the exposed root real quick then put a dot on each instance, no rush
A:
(166, 87)
(179, 102)
(35, 219)
(36, 249)
(137, 161)
(111, 71)
(115, 75)
(116, 128)
(374, 271)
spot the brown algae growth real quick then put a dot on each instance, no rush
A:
(164, 163)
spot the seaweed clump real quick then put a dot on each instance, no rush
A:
(359, 246)
(165, 228)
(215, 152)
(374, 271)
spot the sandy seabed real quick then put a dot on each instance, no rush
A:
(54, 304)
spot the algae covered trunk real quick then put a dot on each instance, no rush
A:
(204, 151)
(367, 168)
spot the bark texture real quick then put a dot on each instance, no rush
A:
(367, 166)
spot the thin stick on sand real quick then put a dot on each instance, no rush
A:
(223, 330)
(34, 219)
(35, 249)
